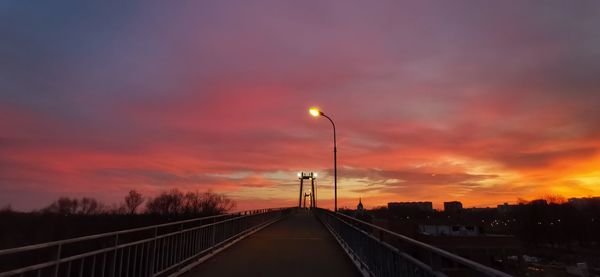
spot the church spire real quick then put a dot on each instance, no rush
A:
(359, 207)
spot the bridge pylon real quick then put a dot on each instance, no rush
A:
(313, 189)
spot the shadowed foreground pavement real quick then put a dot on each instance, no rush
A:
(296, 246)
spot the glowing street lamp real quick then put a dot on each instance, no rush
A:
(314, 111)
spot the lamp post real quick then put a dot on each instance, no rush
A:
(316, 112)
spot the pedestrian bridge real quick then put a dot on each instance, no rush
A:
(268, 242)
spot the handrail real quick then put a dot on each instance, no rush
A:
(120, 232)
(164, 252)
(432, 249)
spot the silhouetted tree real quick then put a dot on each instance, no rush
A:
(555, 199)
(522, 201)
(90, 206)
(192, 203)
(63, 205)
(167, 203)
(176, 202)
(213, 203)
(66, 206)
(132, 201)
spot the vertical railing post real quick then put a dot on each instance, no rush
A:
(435, 261)
(214, 230)
(181, 246)
(57, 263)
(114, 265)
(153, 254)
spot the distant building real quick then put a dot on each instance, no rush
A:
(449, 230)
(361, 213)
(506, 208)
(453, 206)
(359, 208)
(584, 201)
(472, 243)
(480, 210)
(403, 206)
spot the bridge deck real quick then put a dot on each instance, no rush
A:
(296, 246)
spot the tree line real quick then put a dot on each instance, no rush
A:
(69, 217)
(172, 202)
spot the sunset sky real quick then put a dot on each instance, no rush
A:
(477, 101)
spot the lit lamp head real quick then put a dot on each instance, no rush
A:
(314, 111)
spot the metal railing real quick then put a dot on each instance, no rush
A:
(158, 250)
(381, 252)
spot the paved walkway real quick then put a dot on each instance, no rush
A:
(296, 246)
